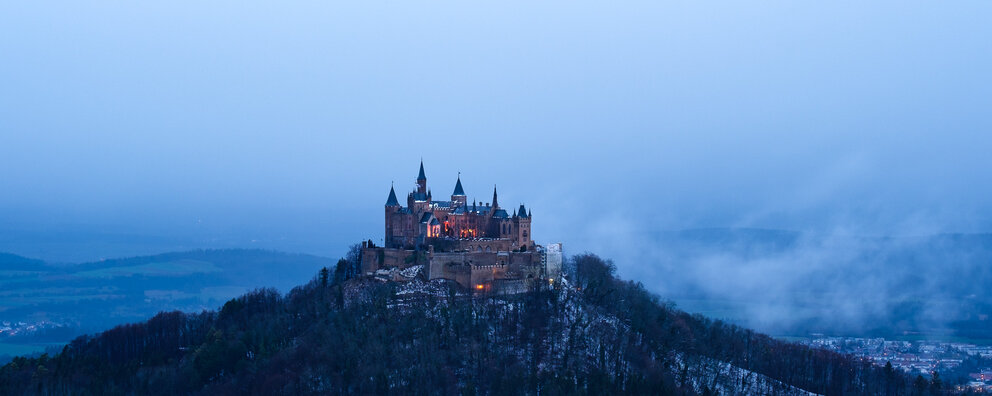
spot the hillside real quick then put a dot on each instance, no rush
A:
(589, 334)
(44, 304)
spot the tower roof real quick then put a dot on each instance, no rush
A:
(422, 175)
(458, 187)
(495, 200)
(391, 201)
(522, 212)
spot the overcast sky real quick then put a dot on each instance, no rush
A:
(282, 124)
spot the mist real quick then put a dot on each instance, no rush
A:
(129, 129)
(797, 284)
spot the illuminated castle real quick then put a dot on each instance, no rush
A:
(483, 227)
(479, 245)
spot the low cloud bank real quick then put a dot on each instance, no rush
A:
(792, 283)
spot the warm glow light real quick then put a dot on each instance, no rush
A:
(551, 280)
(479, 287)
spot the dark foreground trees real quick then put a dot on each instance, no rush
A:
(358, 336)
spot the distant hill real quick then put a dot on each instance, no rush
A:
(589, 334)
(13, 262)
(56, 303)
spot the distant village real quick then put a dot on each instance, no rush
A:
(914, 357)
(15, 329)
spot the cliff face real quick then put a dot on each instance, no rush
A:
(589, 334)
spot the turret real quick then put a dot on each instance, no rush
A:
(392, 206)
(422, 179)
(495, 200)
(522, 228)
(391, 200)
(459, 194)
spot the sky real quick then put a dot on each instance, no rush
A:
(140, 127)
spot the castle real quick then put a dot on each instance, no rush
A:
(479, 245)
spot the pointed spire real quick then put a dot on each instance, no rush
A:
(391, 201)
(495, 200)
(459, 191)
(522, 211)
(422, 175)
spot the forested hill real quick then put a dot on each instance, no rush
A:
(590, 334)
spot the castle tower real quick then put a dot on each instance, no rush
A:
(522, 226)
(422, 180)
(391, 201)
(419, 201)
(459, 194)
(392, 206)
(495, 200)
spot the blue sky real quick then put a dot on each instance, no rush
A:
(281, 125)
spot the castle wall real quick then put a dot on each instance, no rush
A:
(473, 269)
(378, 258)
(485, 245)
(451, 266)
(510, 286)
(468, 269)
(400, 230)
(439, 261)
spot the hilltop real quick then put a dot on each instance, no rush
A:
(590, 333)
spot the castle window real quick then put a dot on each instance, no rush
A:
(489, 249)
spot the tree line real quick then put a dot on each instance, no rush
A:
(345, 334)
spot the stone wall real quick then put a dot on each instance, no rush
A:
(472, 270)
(379, 258)
(478, 271)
